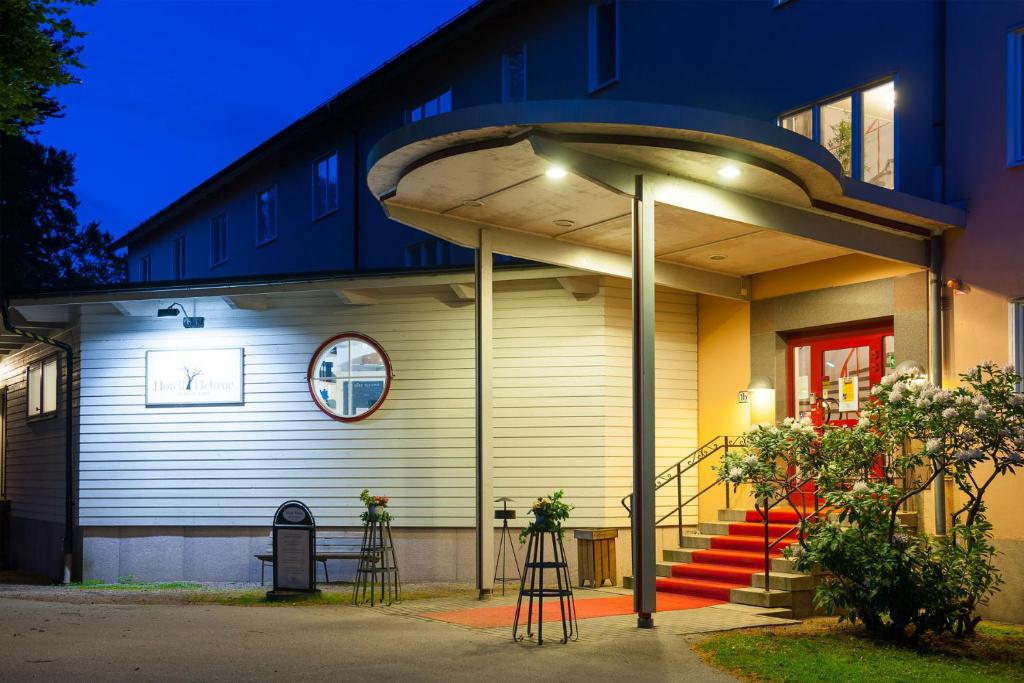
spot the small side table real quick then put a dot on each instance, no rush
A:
(596, 551)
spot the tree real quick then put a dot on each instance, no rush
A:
(38, 50)
(42, 244)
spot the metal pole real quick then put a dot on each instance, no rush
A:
(484, 324)
(935, 361)
(643, 404)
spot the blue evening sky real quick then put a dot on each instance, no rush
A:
(174, 90)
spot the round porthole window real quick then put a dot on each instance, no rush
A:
(349, 376)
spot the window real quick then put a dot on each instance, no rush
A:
(266, 214)
(1015, 99)
(41, 387)
(178, 257)
(858, 129)
(145, 268)
(325, 186)
(349, 377)
(441, 104)
(218, 239)
(604, 43)
(1017, 337)
(429, 252)
(513, 85)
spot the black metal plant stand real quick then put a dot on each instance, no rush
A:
(533, 574)
(505, 544)
(378, 567)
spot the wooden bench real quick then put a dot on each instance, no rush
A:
(330, 545)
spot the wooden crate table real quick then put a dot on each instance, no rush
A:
(596, 549)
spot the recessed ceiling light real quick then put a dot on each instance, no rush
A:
(729, 171)
(473, 203)
(555, 172)
(564, 223)
(718, 257)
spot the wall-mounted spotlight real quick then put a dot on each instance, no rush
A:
(761, 391)
(189, 322)
(957, 286)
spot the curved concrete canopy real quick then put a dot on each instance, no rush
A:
(790, 203)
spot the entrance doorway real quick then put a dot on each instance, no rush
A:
(832, 373)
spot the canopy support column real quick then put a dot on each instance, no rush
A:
(643, 527)
(484, 327)
(935, 359)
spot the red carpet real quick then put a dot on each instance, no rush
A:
(587, 608)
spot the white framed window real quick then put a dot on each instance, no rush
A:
(513, 75)
(604, 43)
(439, 104)
(1017, 337)
(858, 128)
(266, 215)
(218, 239)
(178, 257)
(145, 268)
(1015, 99)
(41, 387)
(325, 186)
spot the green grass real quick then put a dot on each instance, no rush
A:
(832, 654)
(126, 583)
(342, 596)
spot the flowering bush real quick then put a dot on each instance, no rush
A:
(548, 514)
(374, 507)
(898, 583)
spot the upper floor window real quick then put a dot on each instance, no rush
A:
(325, 186)
(859, 129)
(604, 43)
(266, 214)
(41, 387)
(218, 239)
(429, 252)
(1017, 337)
(439, 104)
(1015, 99)
(178, 256)
(145, 268)
(513, 84)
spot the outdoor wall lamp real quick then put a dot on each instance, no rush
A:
(189, 322)
(762, 400)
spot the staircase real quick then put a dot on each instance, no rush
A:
(725, 561)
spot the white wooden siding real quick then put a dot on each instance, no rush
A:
(561, 416)
(34, 451)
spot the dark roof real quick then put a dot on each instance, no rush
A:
(460, 24)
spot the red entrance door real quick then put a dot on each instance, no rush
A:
(831, 374)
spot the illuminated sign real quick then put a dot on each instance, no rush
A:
(194, 377)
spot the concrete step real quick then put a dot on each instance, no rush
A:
(732, 515)
(679, 555)
(713, 528)
(760, 597)
(785, 581)
(697, 541)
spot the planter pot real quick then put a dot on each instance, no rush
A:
(373, 512)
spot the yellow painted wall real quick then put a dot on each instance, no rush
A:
(723, 369)
(833, 272)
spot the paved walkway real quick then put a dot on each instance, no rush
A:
(53, 640)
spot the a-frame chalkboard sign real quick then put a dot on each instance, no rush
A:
(294, 551)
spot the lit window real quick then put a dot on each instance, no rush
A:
(145, 268)
(440, 104)
(41, 387)
(218, 239)
(1017, 337)
(1015, 99)
(604, 43)
(178, 256)
(513, 85)
(349, 377)
(325, 186)
(858, 129)
(266, 215)
(801, 122)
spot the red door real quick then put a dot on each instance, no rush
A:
(831, 376)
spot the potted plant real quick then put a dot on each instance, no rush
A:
(376, 508)
(548, 514)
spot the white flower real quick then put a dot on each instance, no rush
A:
(1009, 369)
(932, 445)
(860, 487)
(980, 414)
(922, 402)
(795, 426)
(864, 422)
(943, 396)
(751, 460)
(889, 379)
(788, 421)
(1017, 400)
(949, 413)
(805, 421)
(736, 474)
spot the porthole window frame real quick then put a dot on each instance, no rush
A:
(389, 375)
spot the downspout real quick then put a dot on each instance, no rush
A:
(357, 163)
(69, 468)
(935, 360)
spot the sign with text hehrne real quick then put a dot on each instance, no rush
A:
(194, 377)
(294, 549)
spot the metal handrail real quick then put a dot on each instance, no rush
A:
(675, 473)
